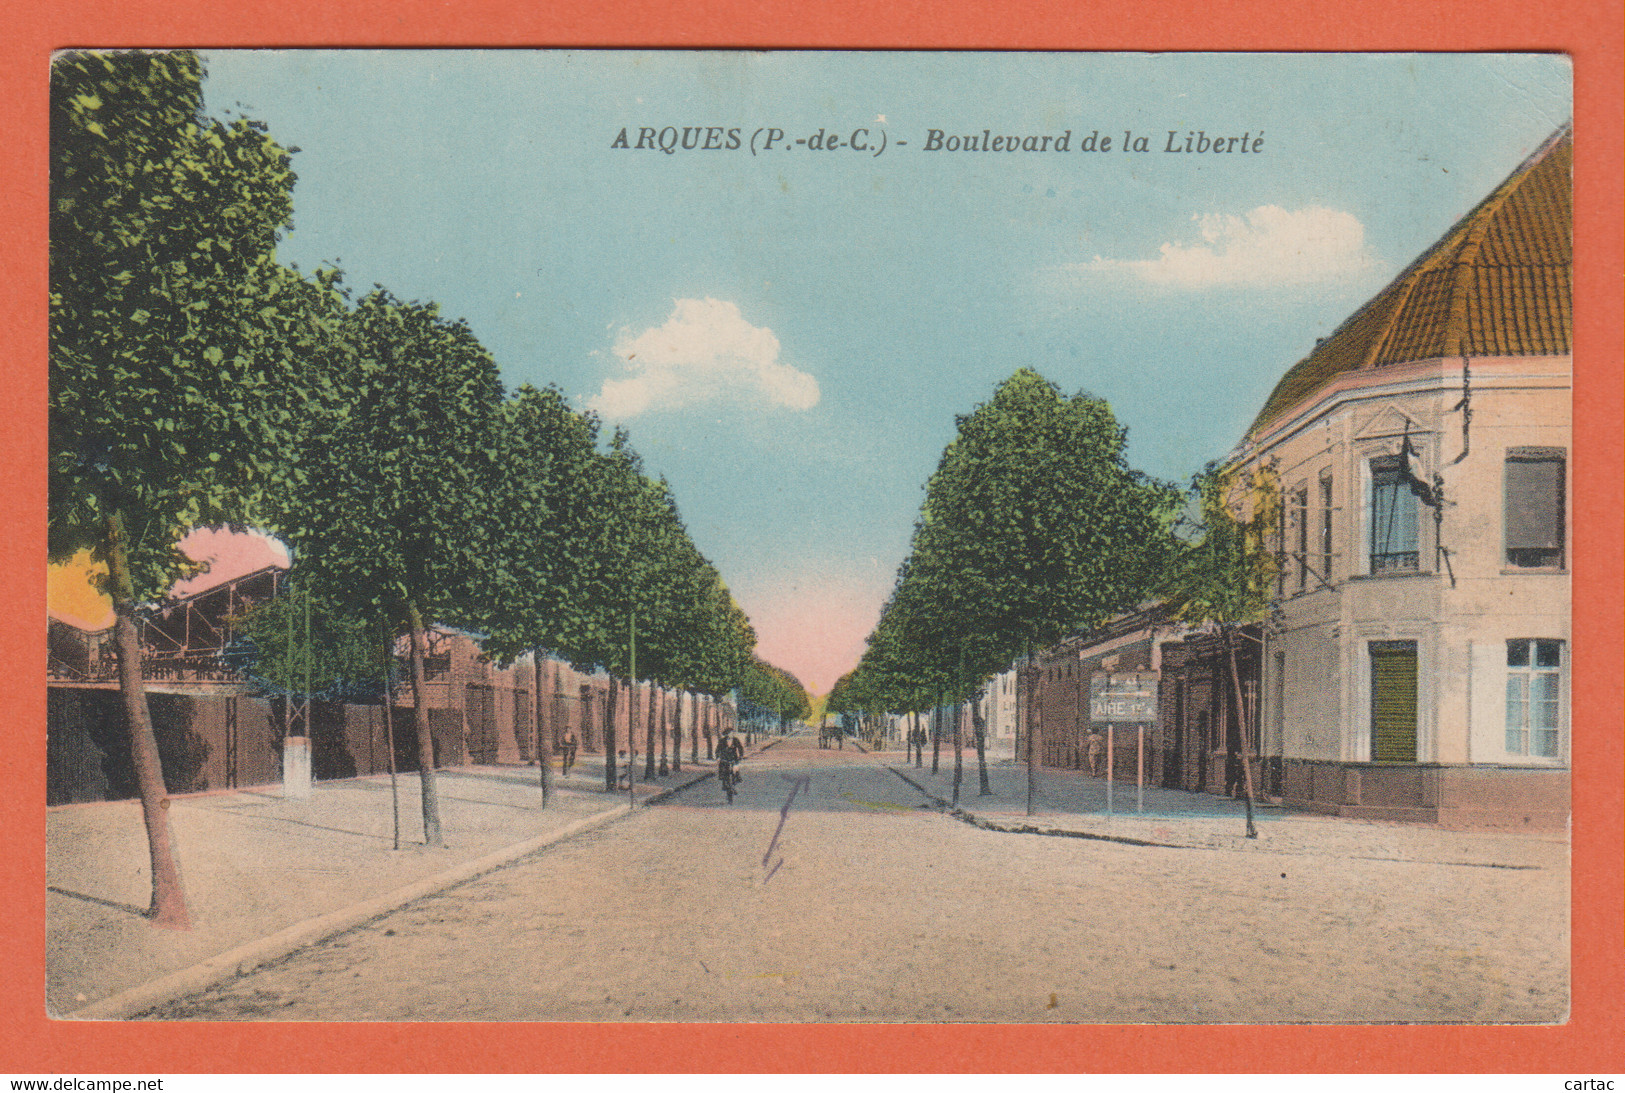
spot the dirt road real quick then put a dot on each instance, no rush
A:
(856, 903)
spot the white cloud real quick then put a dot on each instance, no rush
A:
(1269, 246)
(704, 353)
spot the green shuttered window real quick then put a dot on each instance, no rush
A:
(1393, 701)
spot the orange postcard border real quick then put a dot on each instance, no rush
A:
(1591, 1042)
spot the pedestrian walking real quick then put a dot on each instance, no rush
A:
(1096, 746)
(569, 751)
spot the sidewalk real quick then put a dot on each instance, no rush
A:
(1072, 803)
(264, 875)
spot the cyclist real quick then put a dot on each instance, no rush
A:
(729, 754)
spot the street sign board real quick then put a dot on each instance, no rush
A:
(1123, 696)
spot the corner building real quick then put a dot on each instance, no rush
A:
(1418, 666)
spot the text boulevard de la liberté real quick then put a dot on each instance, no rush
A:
(875, 141)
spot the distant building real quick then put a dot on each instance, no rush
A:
(216, 728)
(999, 708)
(1419, 664)
(1056, 700)
(212, 732)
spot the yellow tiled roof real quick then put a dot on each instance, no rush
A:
(1498, 284)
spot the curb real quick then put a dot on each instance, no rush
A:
(971, 818)
(248, 956)
(975, 820)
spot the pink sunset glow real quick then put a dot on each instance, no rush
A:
(815, 628)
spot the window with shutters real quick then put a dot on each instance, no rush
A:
(1535, 697)
(1534, 508)
(1393, 701)
(1393, 517)
(1326, 526)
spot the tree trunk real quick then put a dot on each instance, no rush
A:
(649, 734)
(677, 736)
(710, 713)
(979, 726)
(1241, 726)
(389, 732)
(631, 731)
(420, 720)
(959, 749)
(919, 743)
(168, 906)
(936, 734)
(665, 733)
(544, 734)
(609, 736)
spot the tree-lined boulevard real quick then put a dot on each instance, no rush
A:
(197, 382)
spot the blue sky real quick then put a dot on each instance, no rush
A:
(788, 335)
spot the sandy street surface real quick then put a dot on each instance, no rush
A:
(872, 908)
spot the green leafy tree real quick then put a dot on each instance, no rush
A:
(299, 643)
(382, 521)
(176, 344)
(1033, 526)
(530, 591)
(1223, 576)
(722, 651)
(669, 585)
(613, 560)
(719, 647)
(774, 689)
(639, 571)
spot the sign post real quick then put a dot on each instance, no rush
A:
(1111, 762)
(1139, 783)
(1124, 696)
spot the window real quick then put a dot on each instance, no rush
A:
(1326, 527)
(1534, 507)
(1393, 701)
(1300, 517)
(1393, 517)
(1534, 697)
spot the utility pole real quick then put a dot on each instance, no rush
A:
(959, 720)
(389, 731)
(631, 707)
(1033, 717)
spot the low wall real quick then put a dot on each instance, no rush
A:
(1460, 797)
(204, 743)
(213, 741)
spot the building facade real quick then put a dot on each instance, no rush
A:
(1059, 681)
(999, 709)
(1418, 666)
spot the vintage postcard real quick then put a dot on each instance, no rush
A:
(811, 537)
